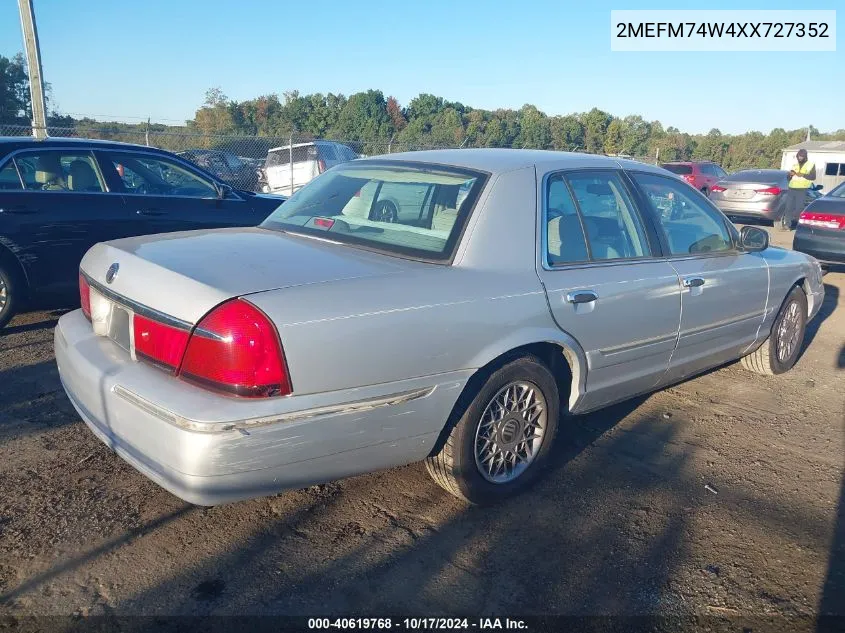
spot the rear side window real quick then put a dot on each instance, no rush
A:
(565, 241)
(9, 180)
(613, 228)
(681, 170)
(58, 170)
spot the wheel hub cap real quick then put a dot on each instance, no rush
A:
(789, 332)
(4, 295)
(510, 432)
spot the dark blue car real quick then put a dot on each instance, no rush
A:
(58, 197)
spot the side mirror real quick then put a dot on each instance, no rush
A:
(753, 239)
(224, 191)
(818, 187)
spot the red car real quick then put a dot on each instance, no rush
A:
(700, 174)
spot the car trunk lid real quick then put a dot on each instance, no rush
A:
(743, 191)
(184, 275)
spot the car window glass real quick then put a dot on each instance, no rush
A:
(565, 242)
(690, 225)
(9, 180)
(60, 171)
(327, 152)
(151, 175)
(406, 209)
(613, 229)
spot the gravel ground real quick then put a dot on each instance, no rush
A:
(722, 496)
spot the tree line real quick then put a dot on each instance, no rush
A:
(375, 124)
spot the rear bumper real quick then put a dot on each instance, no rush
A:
(209, 449)
(825, 246)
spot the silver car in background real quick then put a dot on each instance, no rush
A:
(451, 306)
(758, 194)
(291, 167)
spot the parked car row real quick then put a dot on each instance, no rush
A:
(58, 197)
(375, 319)
(748, 194)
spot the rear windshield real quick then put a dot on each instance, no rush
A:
(678, 169)
(410, 209)
(282, 155)
(757, 175)
(838, 192)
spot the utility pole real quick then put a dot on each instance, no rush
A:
(33, 63)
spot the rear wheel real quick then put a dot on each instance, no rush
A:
(779, 352)
(704, 190)
(8, 296)
(500, 443)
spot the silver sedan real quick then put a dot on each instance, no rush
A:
(450, 306)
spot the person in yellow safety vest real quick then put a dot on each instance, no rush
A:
(801, 178)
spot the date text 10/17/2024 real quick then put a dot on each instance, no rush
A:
(417, 624)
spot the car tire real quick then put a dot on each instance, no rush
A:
(472, 438)
(776, 355)
(8, 296)
(704, 190)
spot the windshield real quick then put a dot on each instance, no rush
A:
(681, 170)
(837, 192)
(410, 209)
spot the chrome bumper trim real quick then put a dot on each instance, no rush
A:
(198, 426)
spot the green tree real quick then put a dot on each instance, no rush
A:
(614, 136)
(567, 133)
(595, 124)
(534, 129)
(14, 89)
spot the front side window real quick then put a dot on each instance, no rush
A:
(58, 170)
(409, 209)
(614, 231)
(689, 224)
(151, 175)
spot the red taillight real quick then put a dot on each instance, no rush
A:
(235, 348)
(718, 188)
(321, 165)
(85, 296)
(689, 178)
(324, 223)
(822, 220)
(160, 343)
(769, 191)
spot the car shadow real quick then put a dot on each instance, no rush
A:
(831, 299)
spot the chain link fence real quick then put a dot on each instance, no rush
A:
(242, 161)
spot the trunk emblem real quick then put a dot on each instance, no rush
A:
(111, 273)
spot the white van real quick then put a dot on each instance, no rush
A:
(309, 161)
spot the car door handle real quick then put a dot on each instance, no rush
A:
(151, 212)
(581, 296)
(17, 210)
(693, 282)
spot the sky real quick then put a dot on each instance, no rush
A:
(125, 60)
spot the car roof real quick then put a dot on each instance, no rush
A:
(11, 143)
(688, 162)
(500, 160)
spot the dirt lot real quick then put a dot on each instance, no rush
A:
(722, 496)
